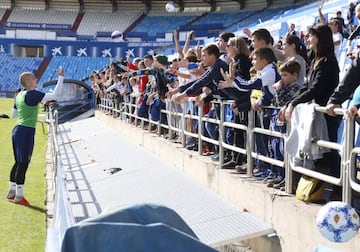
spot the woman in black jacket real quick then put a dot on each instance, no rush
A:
(323, 78)
(323, 75)
(239, 53)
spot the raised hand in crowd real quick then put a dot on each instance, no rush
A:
(247, 32)
(228, 77)
(198, 50)
(198, 71)
(60, 71)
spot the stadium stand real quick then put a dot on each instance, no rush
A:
(37, 4)
(97, 5)
(64, 4)
(165, 22)
(77, 68)
(12, 67)
(100, 18)
(224, 18)
(137, 19)
(43, 16)
(96, 21)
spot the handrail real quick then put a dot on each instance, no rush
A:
(346, 180)
(62, 213)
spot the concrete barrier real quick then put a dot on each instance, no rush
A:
(293, 220)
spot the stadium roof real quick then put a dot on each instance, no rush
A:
(211, 5)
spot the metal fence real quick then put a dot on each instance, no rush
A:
(127, 111)
(62, 214)
(348, 170)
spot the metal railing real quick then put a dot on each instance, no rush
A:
(347, 179)
(62, 214)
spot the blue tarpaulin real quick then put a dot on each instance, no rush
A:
(144, 227)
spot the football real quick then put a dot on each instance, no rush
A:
(117, 36)
(337, 221)
(170, 7)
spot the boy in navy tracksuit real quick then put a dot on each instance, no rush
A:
(267, 75)
(156, 103)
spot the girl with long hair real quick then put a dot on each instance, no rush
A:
(294, 49)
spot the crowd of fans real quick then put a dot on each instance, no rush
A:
(253, 72)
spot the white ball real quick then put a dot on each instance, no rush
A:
(337, 221)
(117, 36)
(170, 7)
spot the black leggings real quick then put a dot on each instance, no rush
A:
(23, 145)
(18, 172)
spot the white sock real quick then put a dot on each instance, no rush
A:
(19, 191)
(12, 186)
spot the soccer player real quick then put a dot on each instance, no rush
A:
(27, 109)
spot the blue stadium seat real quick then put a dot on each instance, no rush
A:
(163, 24)
(76, 68)
(13, 67)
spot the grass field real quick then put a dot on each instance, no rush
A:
(22, 228)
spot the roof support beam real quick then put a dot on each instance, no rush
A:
(114, 5)
(269, 3)
(212, 4)
(47, 4)
(82, 5)
(147, 5)
(241, 3)
(181, 4)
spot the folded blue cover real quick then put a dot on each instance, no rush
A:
(145, 227)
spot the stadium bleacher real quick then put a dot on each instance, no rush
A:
(12, 67)
(77, 68)
(138, 21)
(43, 16)
(95, 21)
(148, 26)
(226, 19)
(164, 23)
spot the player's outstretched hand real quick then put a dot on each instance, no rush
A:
(60, 71)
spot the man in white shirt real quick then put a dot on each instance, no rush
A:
(334, 25)
(337, 37)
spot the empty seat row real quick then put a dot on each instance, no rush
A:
(43, 16)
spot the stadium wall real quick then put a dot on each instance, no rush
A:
(83, 48)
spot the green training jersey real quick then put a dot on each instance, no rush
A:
(27, 115)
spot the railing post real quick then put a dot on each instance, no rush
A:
(200, 127)
(136, 111)
(250, 142)
(183, 126)
(56, 117)
(348, 145)
(288, 170)
(172, 119)
(221, 132)
(102, 104)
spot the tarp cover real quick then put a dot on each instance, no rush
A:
(145, 227)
